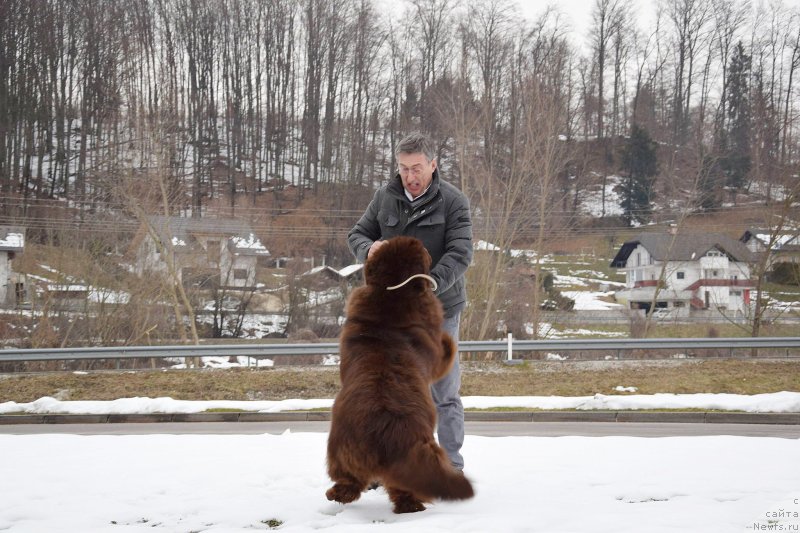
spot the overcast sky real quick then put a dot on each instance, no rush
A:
(579, 12)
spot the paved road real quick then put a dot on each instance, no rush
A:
(490, 429)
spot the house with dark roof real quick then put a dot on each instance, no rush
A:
(12, 242)
(782, 246)
(683, 273)
(206, 252)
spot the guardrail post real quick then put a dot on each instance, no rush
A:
(510, 347)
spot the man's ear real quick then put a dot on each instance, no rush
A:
(433, 164)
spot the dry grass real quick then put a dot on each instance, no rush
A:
(591, 377)
(178, 384)
(478, 379)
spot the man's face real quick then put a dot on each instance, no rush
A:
(416, 172)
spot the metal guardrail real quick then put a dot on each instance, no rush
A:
(508, 346)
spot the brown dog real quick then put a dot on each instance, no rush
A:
(392, 348)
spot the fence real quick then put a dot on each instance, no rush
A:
(509, 347)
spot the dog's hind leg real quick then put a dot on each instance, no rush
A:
(404, 501)
(426, 471)
(346, 488)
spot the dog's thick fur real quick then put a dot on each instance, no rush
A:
(392, 349)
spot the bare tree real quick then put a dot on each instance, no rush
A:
(780, 224)
(488, 25)
(689, 19)
(609, 18)
(517, 201)
(793, 44)
(433, 26)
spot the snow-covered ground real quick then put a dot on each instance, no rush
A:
(245, 483)
(591, 300)
(592, 201)
(779, 402)
(254, 325)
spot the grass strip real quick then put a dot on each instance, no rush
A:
(478, 379)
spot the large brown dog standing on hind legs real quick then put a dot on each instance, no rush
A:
(392, 348)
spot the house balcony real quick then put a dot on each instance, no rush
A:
(720, 283)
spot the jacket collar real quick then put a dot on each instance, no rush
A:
(396, 188)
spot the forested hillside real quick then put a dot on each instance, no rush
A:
(285, 113)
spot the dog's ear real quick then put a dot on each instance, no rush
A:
(379, 266)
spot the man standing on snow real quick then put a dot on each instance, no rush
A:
(418, 203)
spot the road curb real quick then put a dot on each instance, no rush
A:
(470, 416)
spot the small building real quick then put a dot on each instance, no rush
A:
(708, 271)
(12, 288)
(206, 252)
(783, 247)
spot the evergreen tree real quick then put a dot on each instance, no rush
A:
(735, 161)
(710, 184)
(640, 164)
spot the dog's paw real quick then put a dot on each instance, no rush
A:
(405, 502)
(343, 493)
(408, 506)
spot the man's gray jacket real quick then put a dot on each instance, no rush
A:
(440, 218)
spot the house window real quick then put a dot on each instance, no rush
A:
(677, 304)
(638, 259)
(681, 275)
(239, 273)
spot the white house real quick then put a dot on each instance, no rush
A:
(206, 252)
(700, 271)
(12, 242)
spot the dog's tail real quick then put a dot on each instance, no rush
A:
(428, 474)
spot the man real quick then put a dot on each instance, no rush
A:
(417, 203)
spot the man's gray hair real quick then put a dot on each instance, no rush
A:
(416, 143)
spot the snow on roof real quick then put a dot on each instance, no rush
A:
(350, 269)
(317, 270)
(11, 239)
(250, 243)
(183, 232)
(60, 287)
(780, 240)
(344, 272)
(786, 239)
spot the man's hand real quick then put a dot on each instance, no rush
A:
(374, 247)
